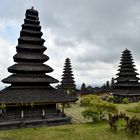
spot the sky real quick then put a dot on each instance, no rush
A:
(92, 33)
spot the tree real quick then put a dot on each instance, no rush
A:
(96, 108)
(107, 85)
(83, 87)
(103, 88)
(112, 83)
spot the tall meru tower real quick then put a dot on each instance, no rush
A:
(127, 83)
(30, 99)
(68, 84)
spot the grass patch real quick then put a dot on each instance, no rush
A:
(127, 108)
(135, 109)
(88, 131)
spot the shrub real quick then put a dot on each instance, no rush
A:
(132, 125)
(125, 100)
(111, 98)
(96, 108)
(92, 113)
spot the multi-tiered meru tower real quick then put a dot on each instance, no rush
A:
(68, 84)
(127, 84)
(31, 100)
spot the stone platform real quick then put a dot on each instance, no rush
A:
(5, 125)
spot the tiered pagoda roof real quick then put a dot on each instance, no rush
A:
(68, 82)
(29, 82)
(127, 80)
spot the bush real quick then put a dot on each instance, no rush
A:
(96, 108)
(125, 100)
(132, 125)
(92, 113)
(111, 98)
(114, 119)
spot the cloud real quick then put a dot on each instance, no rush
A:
(64, 42)
(6, 55)
(92, 33)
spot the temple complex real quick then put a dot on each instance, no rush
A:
(68, 84)
(30, 100)
(127, 84)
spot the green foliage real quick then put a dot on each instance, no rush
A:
(92, 113)
(135, 109)
(131, 125)
(2, 106)
(111, 98)
(90, 100)
(125, 100)
(114, 118)
(96, 108)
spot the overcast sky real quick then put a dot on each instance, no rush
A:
(92, 33)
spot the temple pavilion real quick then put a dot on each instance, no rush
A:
(30, 100)
(68, 84)
(127, 83)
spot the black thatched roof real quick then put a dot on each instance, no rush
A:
(127, 81)
(29, 82)
(31, 68)
(127, 92)
(33, 95)
(67, 82)
(30, 57)
(30, 47)
(127, 65)
(29, 78)
(127, 85)
(127, 69)
(127, 78)
(127, 72)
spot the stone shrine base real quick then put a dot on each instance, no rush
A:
(34, 123)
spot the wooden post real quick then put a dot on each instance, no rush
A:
(22, 114)
(22, 124)
(22, 118)
(62, 109)
(43, 112)
(57, 106)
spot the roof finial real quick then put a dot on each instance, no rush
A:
(32, 7)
